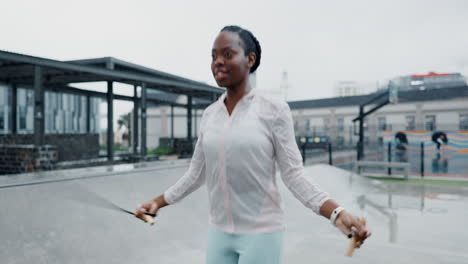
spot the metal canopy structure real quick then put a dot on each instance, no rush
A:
(157, 88)
(18, 68)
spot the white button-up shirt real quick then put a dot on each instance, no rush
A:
(235, 156)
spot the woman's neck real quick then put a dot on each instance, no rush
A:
(234, 94)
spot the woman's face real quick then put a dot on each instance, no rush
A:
(230, 66)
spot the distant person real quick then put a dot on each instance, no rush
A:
(242, 135)
(401, 140)
(439, 138)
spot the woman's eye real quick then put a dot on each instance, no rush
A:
(213, 57)
(228, 54)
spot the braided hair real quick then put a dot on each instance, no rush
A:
(250, 43)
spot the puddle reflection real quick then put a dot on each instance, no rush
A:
(388, 212)
(396, 199)
(439, 164)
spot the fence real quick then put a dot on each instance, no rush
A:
(380, 145)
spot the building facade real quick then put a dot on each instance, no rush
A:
(443, 109)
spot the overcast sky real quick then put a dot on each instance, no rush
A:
(317, 42)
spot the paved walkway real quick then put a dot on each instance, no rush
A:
(41, 177)
(63, 221)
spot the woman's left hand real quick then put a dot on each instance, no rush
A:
(351, 226)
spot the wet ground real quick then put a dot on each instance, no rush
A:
(66, 222)
(445, 163)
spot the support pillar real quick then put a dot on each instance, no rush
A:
(360, 151)
(88, 114)
(189, 118)
(110, 119)
(195, 122)
(134, 130)
(14, 109)
(172, 123)
(38, 107)
(143, 119)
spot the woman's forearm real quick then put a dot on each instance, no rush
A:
(161, 201)
(327, 208)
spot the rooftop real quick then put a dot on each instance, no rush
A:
(403, 97)
(20, 68)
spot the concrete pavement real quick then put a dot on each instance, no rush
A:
(61, 222)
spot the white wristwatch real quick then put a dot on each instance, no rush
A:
(335, 214)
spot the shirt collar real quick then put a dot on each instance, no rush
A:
(249, 96)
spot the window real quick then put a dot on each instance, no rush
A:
(60, 118)
(326, 123)
(464, 122)
(340, 124)
(25, 110)
(410, 123)
(340, 140)
(2, 119)
(49, 107)
(381, 124)
(67, 113)
(307, 125)
(83, 114)
(3, 104)
(5, 109)
(430, 122)
(94, 115)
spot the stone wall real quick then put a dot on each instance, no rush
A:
(75, 146)
(181, 146)
(69, 146)
(27, 158)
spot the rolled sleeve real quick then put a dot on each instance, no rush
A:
(290, 163)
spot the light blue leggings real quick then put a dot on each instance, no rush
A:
(261, 248)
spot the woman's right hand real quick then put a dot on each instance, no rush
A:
(150, 206)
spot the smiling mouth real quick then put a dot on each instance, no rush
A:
(219, 76)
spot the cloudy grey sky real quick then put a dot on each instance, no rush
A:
(316, 42)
